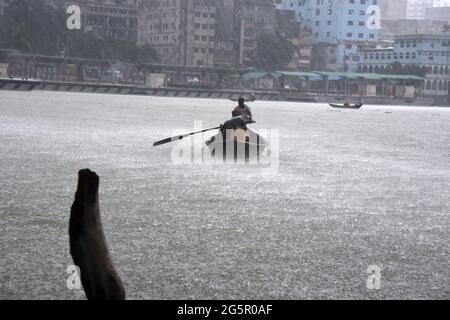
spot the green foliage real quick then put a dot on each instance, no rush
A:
(398, 68)
(34, 27)
(30, 26)
(273, 52)
(147, 54)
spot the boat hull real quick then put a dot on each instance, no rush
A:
(237, 144)
(339, 106)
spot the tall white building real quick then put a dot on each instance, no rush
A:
(438, 14)
(343, 24)
(441, 3)
(417, 8)
(428, 51)
(394, 9)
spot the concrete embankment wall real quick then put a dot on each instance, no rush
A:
(27, 85)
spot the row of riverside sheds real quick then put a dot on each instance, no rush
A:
(321, 82)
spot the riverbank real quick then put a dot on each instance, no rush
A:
(288, 96)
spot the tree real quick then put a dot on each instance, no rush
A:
(273, 52)
(31, 26)
(147, 54)
(35, 27)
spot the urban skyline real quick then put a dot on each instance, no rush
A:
(329, 36)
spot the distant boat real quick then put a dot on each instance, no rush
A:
(341, 106)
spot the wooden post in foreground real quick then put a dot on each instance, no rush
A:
(88, 244)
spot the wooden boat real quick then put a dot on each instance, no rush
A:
(235, 140)
(237, 144)
(341, 106)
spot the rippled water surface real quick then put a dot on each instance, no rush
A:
(353, 189)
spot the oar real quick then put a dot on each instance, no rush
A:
(177, 138)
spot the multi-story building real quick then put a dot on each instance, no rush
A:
(438, 13)
(343, 24)
(227, 37)
(200, 32)
(240, 24)
(286, 23)
(287, 26)
(394, 9)
(324, 56)
(108, 19)
(441, 3)
(377, 59)
(393, 28)
(205, 32)
(181, 31)
(159, 26)
(429, 52)
(252, 18)
(416, 8)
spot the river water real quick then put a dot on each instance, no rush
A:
(353, 189)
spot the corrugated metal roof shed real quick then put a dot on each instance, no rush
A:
(302, 75)
(367, 76)
(259, 74)
(333, 76)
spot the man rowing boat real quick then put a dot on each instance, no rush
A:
(242, 110)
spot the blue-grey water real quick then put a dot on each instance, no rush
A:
(354, 189)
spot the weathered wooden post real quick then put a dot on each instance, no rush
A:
(88, 244)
